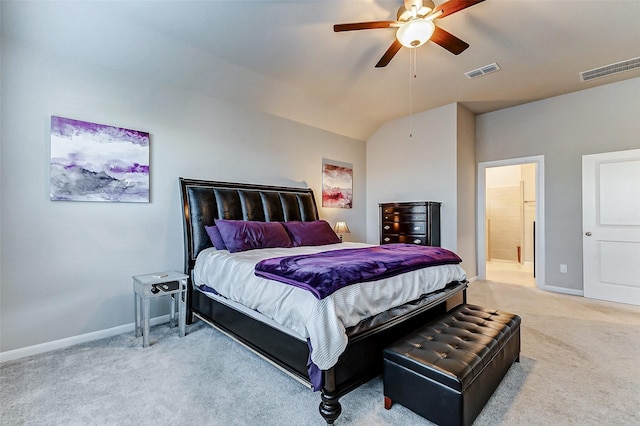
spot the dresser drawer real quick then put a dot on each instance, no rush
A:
(404, 227)
(404, 217)
(408, 239)
(404, 209)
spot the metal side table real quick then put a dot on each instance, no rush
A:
(158, 284)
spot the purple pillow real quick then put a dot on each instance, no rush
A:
(242, 235)
(316, 233)
(216, 238)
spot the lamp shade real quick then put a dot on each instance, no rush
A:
(341, 228)
(415, 33)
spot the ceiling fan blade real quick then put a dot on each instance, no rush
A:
(453, 6)
(364, 26)
(389, 54)
(450, 42)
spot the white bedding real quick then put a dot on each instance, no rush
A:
(322, 321)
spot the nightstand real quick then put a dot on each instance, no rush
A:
(158, 284)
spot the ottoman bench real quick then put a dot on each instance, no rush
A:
(447, 370)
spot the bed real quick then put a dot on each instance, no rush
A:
(359, 357)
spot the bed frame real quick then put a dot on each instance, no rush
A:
(203, 202)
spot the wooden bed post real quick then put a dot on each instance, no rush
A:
(330, 407)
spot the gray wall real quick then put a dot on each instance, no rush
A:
(563, 129)
(416, 168)
(466, 189)
(66, 267)
(436, 164)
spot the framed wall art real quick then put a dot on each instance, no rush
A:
(337, 184)
(96, 162)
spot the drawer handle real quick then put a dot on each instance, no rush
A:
(387, 239)
(416, 241)
(387, 227)
(416, 228)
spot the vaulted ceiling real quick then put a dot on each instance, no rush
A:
(283, 57)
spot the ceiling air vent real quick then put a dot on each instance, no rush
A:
(482, 71)
(610, 69)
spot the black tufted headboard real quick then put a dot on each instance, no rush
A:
(203, 201)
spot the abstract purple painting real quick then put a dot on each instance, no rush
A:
(95, 162)
(337, 184)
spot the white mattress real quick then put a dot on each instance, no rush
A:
(324, 321)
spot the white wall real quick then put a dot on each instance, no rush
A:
(504, 176)
(417, 168)
(437, 163)
(427, 167)
(563, 129)
(66, 267)
(1, 173)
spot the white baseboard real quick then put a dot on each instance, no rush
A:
(571, 291)
(129, 328)
(75, 340)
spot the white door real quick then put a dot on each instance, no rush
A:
(611, 226)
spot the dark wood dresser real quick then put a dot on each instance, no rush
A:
(413, 223)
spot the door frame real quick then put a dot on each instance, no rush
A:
(481, 216)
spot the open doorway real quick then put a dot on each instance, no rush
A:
(511, 221)
(510, 213)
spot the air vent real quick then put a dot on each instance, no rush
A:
(482, 71)
(610, 69)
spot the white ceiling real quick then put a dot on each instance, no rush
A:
(282, 57)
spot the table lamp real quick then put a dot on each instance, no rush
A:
(341, 228)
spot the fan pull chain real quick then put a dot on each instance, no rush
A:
(410, 94)
(413, 65)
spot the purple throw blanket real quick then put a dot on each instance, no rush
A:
(325, 272)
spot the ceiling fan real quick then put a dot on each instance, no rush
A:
(415, 26)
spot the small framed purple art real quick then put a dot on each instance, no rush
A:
(337, 184)
(96, 162)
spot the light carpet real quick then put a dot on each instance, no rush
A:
(579, 366)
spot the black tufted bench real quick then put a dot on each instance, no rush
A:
(447, 370)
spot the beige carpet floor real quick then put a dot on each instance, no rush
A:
(580, 358)
(579, 366)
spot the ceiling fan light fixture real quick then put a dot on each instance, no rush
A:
(415, 33)
(415, 8)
